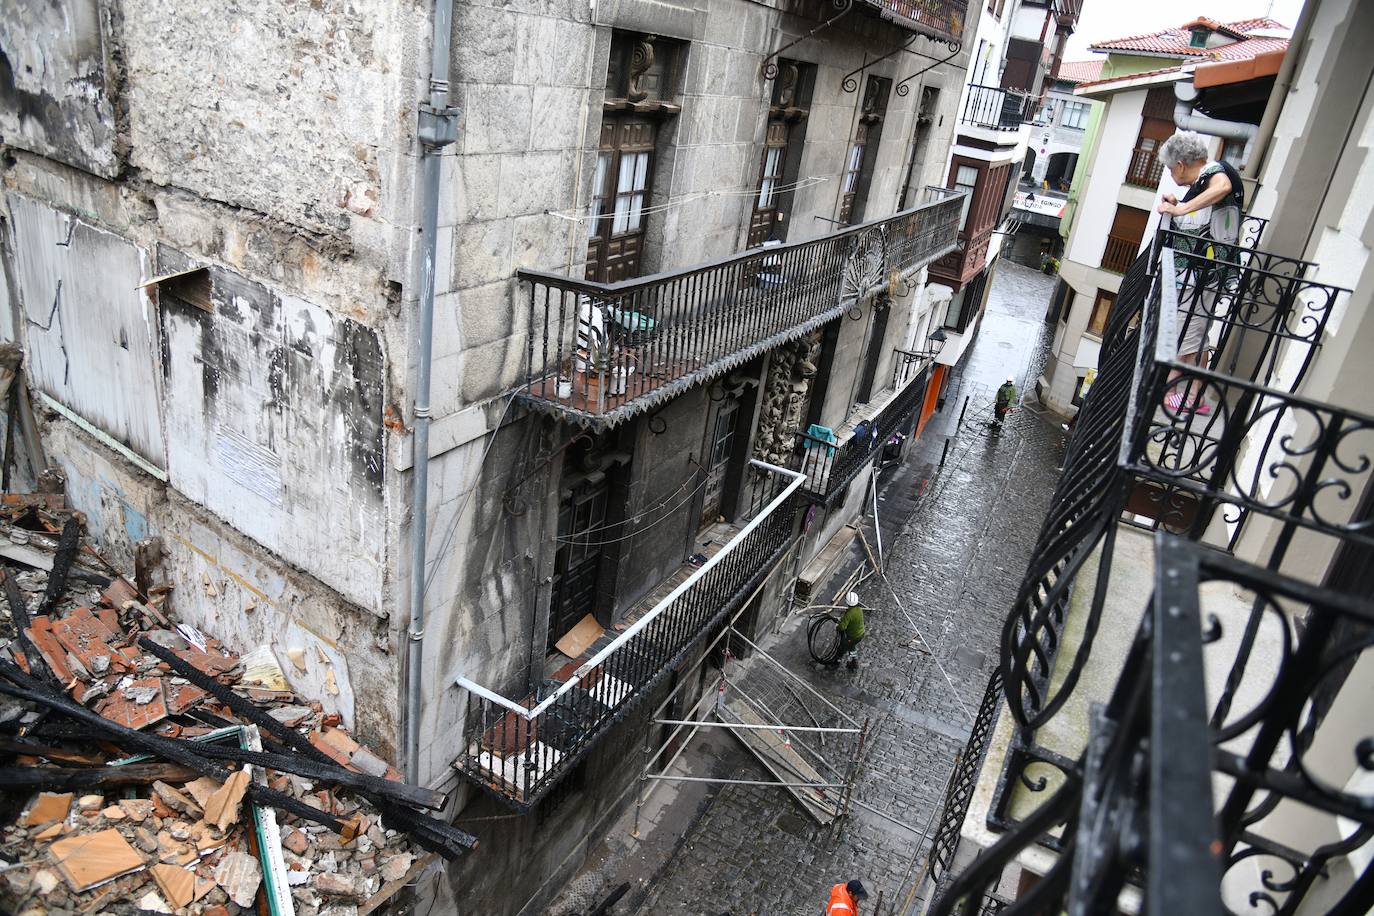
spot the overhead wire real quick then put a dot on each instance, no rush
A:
(457, 516)
(577, 216)
(638, 531)
(645, 513)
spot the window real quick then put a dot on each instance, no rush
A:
(1075, 115)
(1102, 307)
(858, 164)
(1145, 169)
(621, 187)
(966, 179)
(1199, 37)
(641, 80)
(1233, 151)
(1123, 239)
(631, 189)
(782, 143)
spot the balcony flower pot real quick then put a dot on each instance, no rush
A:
(565, 387)
(618, 379)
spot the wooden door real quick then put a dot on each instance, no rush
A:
(765, 215)
(577, 562)
(718, 463)
(621, 189)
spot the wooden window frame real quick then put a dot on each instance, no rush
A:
(1102, 308)
(1076, 108)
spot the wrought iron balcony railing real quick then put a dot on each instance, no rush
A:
(599, 353)
(1197, 451)
(997, 108)
(1286, 832)
(829, 467)
(518, 750)
(939, 18)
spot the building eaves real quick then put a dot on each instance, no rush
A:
(1130, 81)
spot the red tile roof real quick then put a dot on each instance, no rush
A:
(1080, 71)
(1175, 42)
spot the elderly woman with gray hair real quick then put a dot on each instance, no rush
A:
(1207, 223)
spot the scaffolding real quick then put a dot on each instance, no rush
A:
(810, 746)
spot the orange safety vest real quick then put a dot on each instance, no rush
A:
(841, 902)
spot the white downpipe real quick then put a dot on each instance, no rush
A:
(654, 613)
(1187, 119)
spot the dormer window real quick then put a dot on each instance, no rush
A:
(1200, 36)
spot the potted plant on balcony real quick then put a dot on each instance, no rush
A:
(597, 355)
(1049, 265)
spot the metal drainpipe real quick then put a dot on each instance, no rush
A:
(1279, 95)
(437, 128)
(1187, 119)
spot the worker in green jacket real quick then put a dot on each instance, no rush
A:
(852, 631)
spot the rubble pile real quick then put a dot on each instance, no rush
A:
(146, 768)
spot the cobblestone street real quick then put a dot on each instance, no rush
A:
(957, 540)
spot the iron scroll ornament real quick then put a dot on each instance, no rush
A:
(850, 84)
(954, 48)
(866, 266)
(770, 63)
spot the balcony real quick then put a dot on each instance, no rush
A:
(519, 749)
(1145, 169)
(942, 19)
(999, 109)
(829, 467)
(1167, 455)
(1119, 253)
(600, 353)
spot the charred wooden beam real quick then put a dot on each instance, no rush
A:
(23, 687)
(332, 775)
(432, 834)
(19, 613)
(397, 816)
(67, 545)
(57, 778)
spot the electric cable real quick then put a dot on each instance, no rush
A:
(824, 642)
(663, 518)
(576, 216)
(645, 513)
(481, 463)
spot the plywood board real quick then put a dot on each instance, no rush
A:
(580, 638)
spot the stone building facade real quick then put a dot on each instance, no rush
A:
(211, 233)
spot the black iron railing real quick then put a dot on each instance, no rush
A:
(598, 353)
(942, 18)
(829, 466)
(997, 108)
(519, 749)
(1287, 833)
(1193, 450)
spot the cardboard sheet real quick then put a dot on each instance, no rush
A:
(580, 638)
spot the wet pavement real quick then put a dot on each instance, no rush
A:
(957, 539)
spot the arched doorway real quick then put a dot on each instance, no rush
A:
(1059, 170)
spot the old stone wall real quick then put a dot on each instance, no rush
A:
(532, 79)
(253, 427)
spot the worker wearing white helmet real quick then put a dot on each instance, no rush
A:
(852, 630)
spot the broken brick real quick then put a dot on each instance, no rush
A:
(48, 807)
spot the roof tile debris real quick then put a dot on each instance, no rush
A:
(186, 763)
